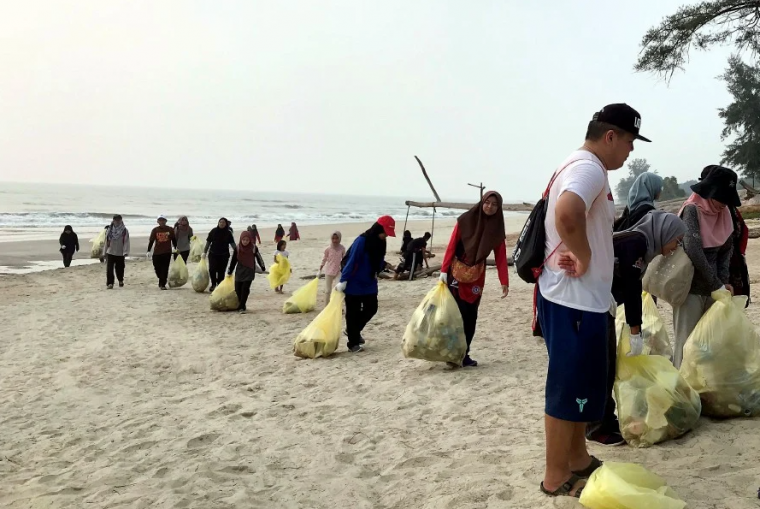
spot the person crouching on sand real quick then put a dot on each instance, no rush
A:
(331, 263)
(116, 251)
(69, 243)
(478, 232)
(358, 279)
(245, 258)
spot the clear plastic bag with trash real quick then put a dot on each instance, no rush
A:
(279, 273)
(98, 245)
(628, 486)
(654, 402)
(178, 274)
(303, 300)
(196, 249)
(721, 359)
(320, 338)
(436, 331)
(224, 297)
(200, 278)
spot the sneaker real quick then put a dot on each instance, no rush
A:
(242, 311)
(121, 284)
(608, 439)
(469, 363)
(110, 287)
(361, 340)
(163, 287)
(213, 287)
(356, 349)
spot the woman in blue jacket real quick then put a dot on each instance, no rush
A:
(358, 280)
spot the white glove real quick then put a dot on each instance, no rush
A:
(637, 345)
(341, 287)
(149, 256)
(63, 247)
(444, 278)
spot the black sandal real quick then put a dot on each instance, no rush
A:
(566, 489)
(586, 472)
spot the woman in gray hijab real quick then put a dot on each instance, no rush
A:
(657, 233)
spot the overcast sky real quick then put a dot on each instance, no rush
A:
(336, 96)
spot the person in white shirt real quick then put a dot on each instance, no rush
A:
(574, 299)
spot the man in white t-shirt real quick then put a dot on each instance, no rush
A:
(574, 298)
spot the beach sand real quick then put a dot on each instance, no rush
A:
(146, 399)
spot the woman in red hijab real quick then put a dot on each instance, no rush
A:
(478, 232)
(293, 234)
(245, 256)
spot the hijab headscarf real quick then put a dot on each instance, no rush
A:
(340, 237)
(246, 255)
(715, 223)
(183, 224)
(293, 231)
(280, 231)
(645, 189)
(659, 228)
(115, 231)
(68, 237)
(481, 233)
(220, 234)
(375, 247)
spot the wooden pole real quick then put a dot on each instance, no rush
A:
(424, 173)
(407, 216)
(432, 233)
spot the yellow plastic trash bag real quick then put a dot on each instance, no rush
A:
(224, 297)
(656, 339)
(279, 273)
(200, 279)
(98, 245)
(178, 275)
(196, 249)
(721, 359)
(303, 300)
(320, 338)
(436, 332)
(628, 486)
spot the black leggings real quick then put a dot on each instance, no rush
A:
(243, 290)
(67, 258)
(469, 312)
(161, 264)
(184, 254)
(217, 268)
(359, 311)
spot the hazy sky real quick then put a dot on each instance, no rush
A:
(336, 96)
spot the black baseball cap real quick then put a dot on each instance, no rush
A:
(623, 117)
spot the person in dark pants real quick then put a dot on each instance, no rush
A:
(162, 241)
(217, 249)
(657, 233)
(364, 260)
(478, 232)
(415, 254)
(69, 244)
(183, 232)
(245, 257)
(116, 251)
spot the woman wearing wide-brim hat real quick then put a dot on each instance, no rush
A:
(709, 244)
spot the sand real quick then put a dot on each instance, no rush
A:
(146, 399)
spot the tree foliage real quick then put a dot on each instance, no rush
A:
(635, 168)
(665, 48)
(742, 118)
(671, 190)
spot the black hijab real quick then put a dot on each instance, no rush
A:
(221, 234)
(68, 239)
(375, 247)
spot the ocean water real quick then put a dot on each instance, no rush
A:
(40, 211)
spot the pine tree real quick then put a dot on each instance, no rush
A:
(742, 118)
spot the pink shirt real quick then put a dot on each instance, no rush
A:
(332, 259)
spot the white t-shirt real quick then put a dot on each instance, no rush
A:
(285, 253)
(587, 178)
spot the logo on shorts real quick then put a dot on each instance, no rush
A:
(476, 290)
(581, 402)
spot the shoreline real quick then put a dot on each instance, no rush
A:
(39, 255)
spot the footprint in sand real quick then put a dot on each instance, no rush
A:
(202, 441)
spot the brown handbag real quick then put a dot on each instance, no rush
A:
(467, 274)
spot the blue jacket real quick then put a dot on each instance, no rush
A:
(360, 276)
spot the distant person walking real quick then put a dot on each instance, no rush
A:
(254, 231)
(644, 192)
(331, 263)
(293, 234)
(183, 233)
(478, 232)
(69, 243)
(161, 241)
(245, 257)
(116, 251)
(358, 280)
(217, 249)
(279, 234)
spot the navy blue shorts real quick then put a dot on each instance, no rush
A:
(576, 383)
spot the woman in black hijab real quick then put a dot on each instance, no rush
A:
(218, 248)
(69, 244)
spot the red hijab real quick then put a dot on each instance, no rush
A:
(245, 254)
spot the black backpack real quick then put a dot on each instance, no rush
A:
(530, 248)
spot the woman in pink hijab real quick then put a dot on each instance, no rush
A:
(709, 243)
